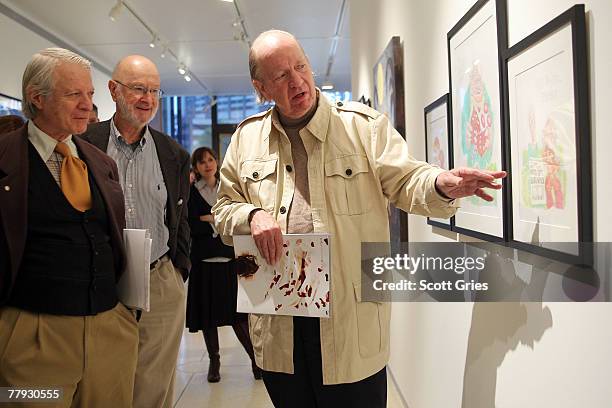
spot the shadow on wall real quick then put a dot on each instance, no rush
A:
(499, 327)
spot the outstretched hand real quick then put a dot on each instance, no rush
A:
(465, 182)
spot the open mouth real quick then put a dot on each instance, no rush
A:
(299, 96)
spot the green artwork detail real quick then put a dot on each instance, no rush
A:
(477, 131)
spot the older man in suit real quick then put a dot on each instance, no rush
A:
(61, 249)
(154, 174)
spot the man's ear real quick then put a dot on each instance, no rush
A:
(112, 87)
(36, 98)
(259, 86)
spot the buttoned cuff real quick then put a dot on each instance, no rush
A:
(237, 223)
(435, 203)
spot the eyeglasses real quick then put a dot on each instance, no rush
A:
(141, 90)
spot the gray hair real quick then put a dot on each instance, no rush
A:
(38, 75)
(253, 60)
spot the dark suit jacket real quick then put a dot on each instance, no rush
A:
(174, 163)
(13, 202)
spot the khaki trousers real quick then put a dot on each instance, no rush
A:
(92, 358)
(160, 332)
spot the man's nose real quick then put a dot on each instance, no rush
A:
(295, 79)
(86, 102)
(148, 97)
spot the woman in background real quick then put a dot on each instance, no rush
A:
(211, 298)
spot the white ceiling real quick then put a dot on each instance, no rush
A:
(201, 34)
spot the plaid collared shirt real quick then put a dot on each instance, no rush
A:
(143, 187)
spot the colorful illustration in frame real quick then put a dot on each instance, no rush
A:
(475, 100)
(549, 140)
(438, 144)
(389, 99)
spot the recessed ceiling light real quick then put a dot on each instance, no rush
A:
(115, 11)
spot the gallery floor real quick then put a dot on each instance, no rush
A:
(237, 387)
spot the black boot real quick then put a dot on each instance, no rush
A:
(211, 338)
(241, 328)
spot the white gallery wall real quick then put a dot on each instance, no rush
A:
(504, 354)
(18, 44)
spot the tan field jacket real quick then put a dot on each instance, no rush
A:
(357, 163)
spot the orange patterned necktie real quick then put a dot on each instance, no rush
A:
(73, 179)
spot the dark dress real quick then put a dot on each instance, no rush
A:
(211, 294)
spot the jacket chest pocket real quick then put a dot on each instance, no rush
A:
(346, 184)
(259, 177)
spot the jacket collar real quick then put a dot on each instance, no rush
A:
(45, 144)
(318, 125)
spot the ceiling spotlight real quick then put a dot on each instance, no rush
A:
(116, 10)
(182, 70)
(153, 40)
(187, 78)
(163, 53)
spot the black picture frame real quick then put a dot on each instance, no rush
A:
(440, 102)
(574, 18)
(388, 98)
(502, 45)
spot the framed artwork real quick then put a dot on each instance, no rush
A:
(548, 135)
(389, 100)
(10, 106)
(475, 105)
(438, 144)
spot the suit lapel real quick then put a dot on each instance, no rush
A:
(102, 174)
(98, 134)
(170, 168)
(14, 192)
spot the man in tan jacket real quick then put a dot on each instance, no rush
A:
(309, 166)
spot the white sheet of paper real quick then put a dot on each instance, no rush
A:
(133, 288)
(297, 286)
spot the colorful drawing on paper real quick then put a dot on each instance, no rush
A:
(477, 129)
(298, 285)
(544, 167)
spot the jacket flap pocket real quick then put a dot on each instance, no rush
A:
(347, 166)
(256, 170)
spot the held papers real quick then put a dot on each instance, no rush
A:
(298, 285)
(133, 287)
